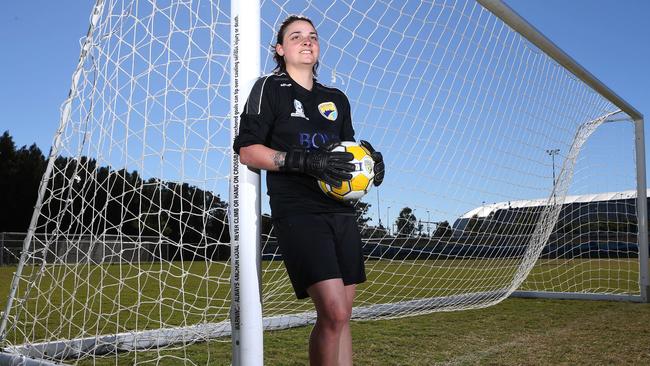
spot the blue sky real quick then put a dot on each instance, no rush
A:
(609, 38)
(40, 41)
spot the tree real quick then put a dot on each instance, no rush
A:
(20, 175)
(7, 181)
(406, 222)
(361, 209)
(443, 230)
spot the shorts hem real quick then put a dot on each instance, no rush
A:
(303, 294)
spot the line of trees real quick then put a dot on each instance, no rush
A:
(21, 171)
(408, 225)
(83, 197)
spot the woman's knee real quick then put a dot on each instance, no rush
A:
(335, 314)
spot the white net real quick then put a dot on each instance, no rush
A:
(482, 134)
(593, 247)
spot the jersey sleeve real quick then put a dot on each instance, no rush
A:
(257, 117)
(347, 132)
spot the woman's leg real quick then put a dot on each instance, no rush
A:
(332, 318)
(345, 344)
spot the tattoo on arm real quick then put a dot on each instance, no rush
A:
(278, 159)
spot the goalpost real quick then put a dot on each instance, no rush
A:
(150, 242)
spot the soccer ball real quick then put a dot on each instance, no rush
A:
(362, 175)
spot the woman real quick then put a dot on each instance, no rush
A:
(287, 122)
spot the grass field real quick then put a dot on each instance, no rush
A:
(514, 332)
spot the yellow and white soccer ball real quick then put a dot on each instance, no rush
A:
(362, 175)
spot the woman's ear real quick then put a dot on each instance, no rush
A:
(279, 50)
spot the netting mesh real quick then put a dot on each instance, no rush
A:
(132, 243)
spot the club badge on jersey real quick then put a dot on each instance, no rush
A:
(300, 111)
(328, 110)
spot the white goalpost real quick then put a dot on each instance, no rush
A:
(245, 195)
(511, 171)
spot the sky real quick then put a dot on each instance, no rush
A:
(40, 41)
(40, 50)
(609, 38)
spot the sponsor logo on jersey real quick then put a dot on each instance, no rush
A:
(300, 111)
(328, 110)
(285, 84)
(315, 140)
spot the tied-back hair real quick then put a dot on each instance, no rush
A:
(281, 66)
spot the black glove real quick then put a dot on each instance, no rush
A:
(379, 162)
(331, 167)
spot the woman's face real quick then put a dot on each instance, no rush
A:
(299, 45)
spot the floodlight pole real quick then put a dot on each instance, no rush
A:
(245, 207)
(388, 225)
(378, 210)
(553, 152)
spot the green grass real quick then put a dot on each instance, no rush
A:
(514, 332)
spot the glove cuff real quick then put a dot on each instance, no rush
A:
(294, 161)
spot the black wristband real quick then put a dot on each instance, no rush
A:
(294, 161)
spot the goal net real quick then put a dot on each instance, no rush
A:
(505, 172)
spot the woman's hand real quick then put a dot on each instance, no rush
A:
(379, 162)
(331, 167)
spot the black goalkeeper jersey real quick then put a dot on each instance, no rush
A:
(281, 114)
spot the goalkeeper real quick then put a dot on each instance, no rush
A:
(288, 120)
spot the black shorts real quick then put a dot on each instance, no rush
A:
(317, 247)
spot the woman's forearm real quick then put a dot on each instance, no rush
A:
(261, 157)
